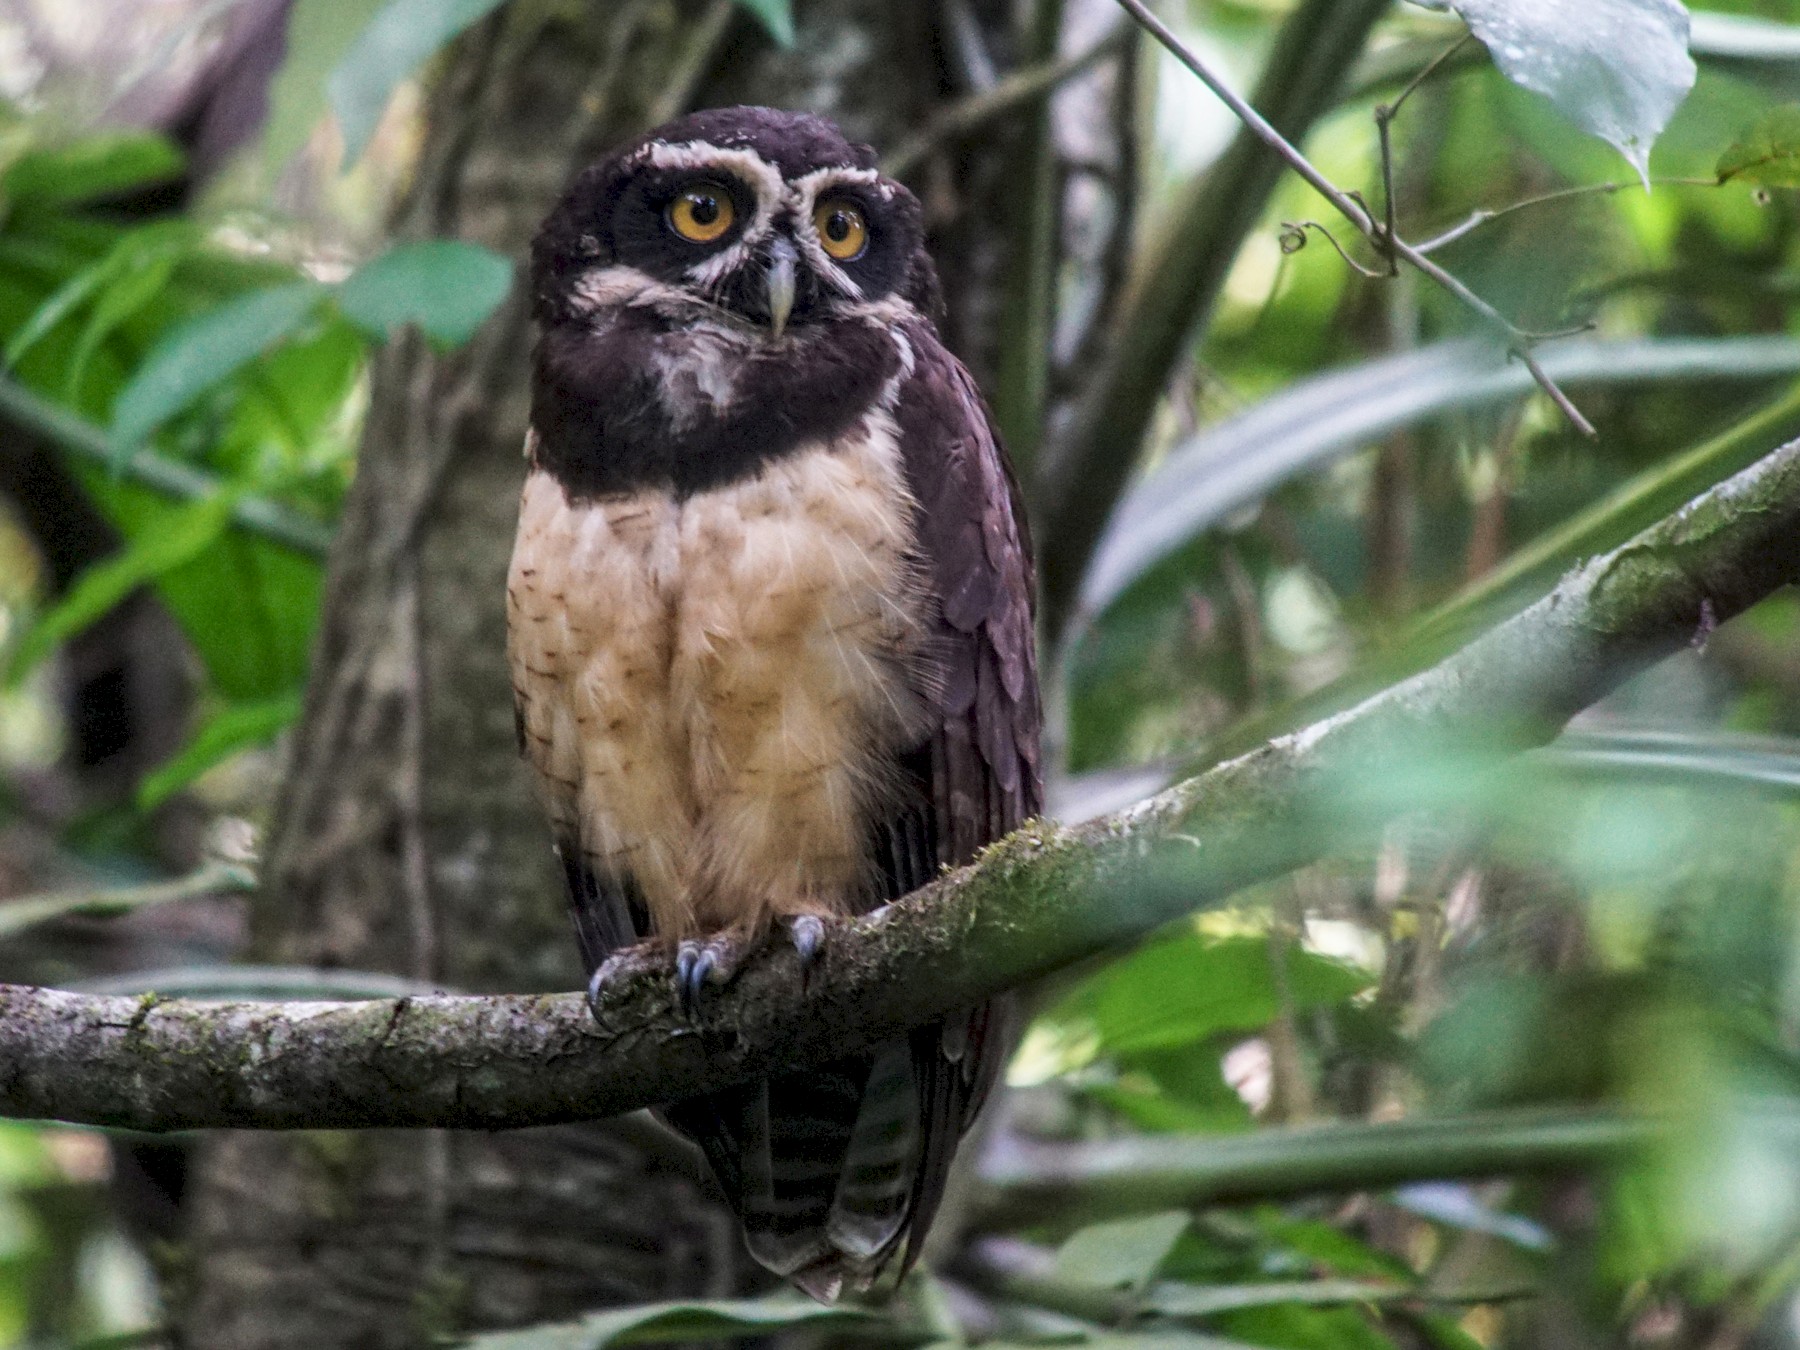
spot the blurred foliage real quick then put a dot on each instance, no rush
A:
(1344, 485)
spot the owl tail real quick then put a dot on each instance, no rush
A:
(835, 1172)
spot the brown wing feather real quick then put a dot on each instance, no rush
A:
(980, 768)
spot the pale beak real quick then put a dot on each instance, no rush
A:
(783, 263)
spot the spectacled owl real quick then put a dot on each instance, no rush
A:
(770, 629)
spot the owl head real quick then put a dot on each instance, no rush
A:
(768, 221)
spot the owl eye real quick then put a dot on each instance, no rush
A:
(702, 213)
(843, 231)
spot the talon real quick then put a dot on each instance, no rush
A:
(603, 977)
(700, 962)
(689, 975)
(808, 933)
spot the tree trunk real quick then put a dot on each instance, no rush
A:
(406, 839)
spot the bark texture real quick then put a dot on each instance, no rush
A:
(407, 839)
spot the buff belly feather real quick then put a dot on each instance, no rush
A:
(711, 688)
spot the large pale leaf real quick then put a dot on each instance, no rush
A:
(1226, 467)
(1616, 68)
(1122, 1254)
(445, 286)
(396, 42)
(319, 33)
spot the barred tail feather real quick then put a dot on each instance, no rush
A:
(836, 1172)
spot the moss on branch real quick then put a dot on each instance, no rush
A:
(1033, 904)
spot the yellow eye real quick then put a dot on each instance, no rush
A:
(842, 230)
(702, 213)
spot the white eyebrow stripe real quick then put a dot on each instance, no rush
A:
(808, 188)
(699, 156)
(803, 192)
(756, 173)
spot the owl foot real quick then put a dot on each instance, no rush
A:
(702, 962)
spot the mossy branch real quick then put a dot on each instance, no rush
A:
(1033, 904)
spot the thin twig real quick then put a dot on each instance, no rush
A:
(1384, 121)
(1353, 210)
(1387, 112)
(1017, 90)
(691, 64)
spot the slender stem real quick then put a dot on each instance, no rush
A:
(260, 515)
(1018, 90)
(1354, 211)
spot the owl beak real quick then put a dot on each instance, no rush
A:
(784, 262)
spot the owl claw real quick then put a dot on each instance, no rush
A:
(699, 963)
(610, 971)
(808, 934)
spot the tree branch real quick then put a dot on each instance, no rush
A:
(1033, 904)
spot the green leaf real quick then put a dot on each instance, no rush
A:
(1188, 988)
(1290, 1326)
(136, 273)
(96, 166)
(1124, 1254)
(319, 33)
(1768, 153)
(204, 352)
(445, 286)
(249, 606)
(654, 1323)
(777, 16)
(236, 728)
(1191, 1300)
(1316, 421)
(395, 43)
(187, 534)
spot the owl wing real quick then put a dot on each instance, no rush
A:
(977, 776)
(979, 767)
